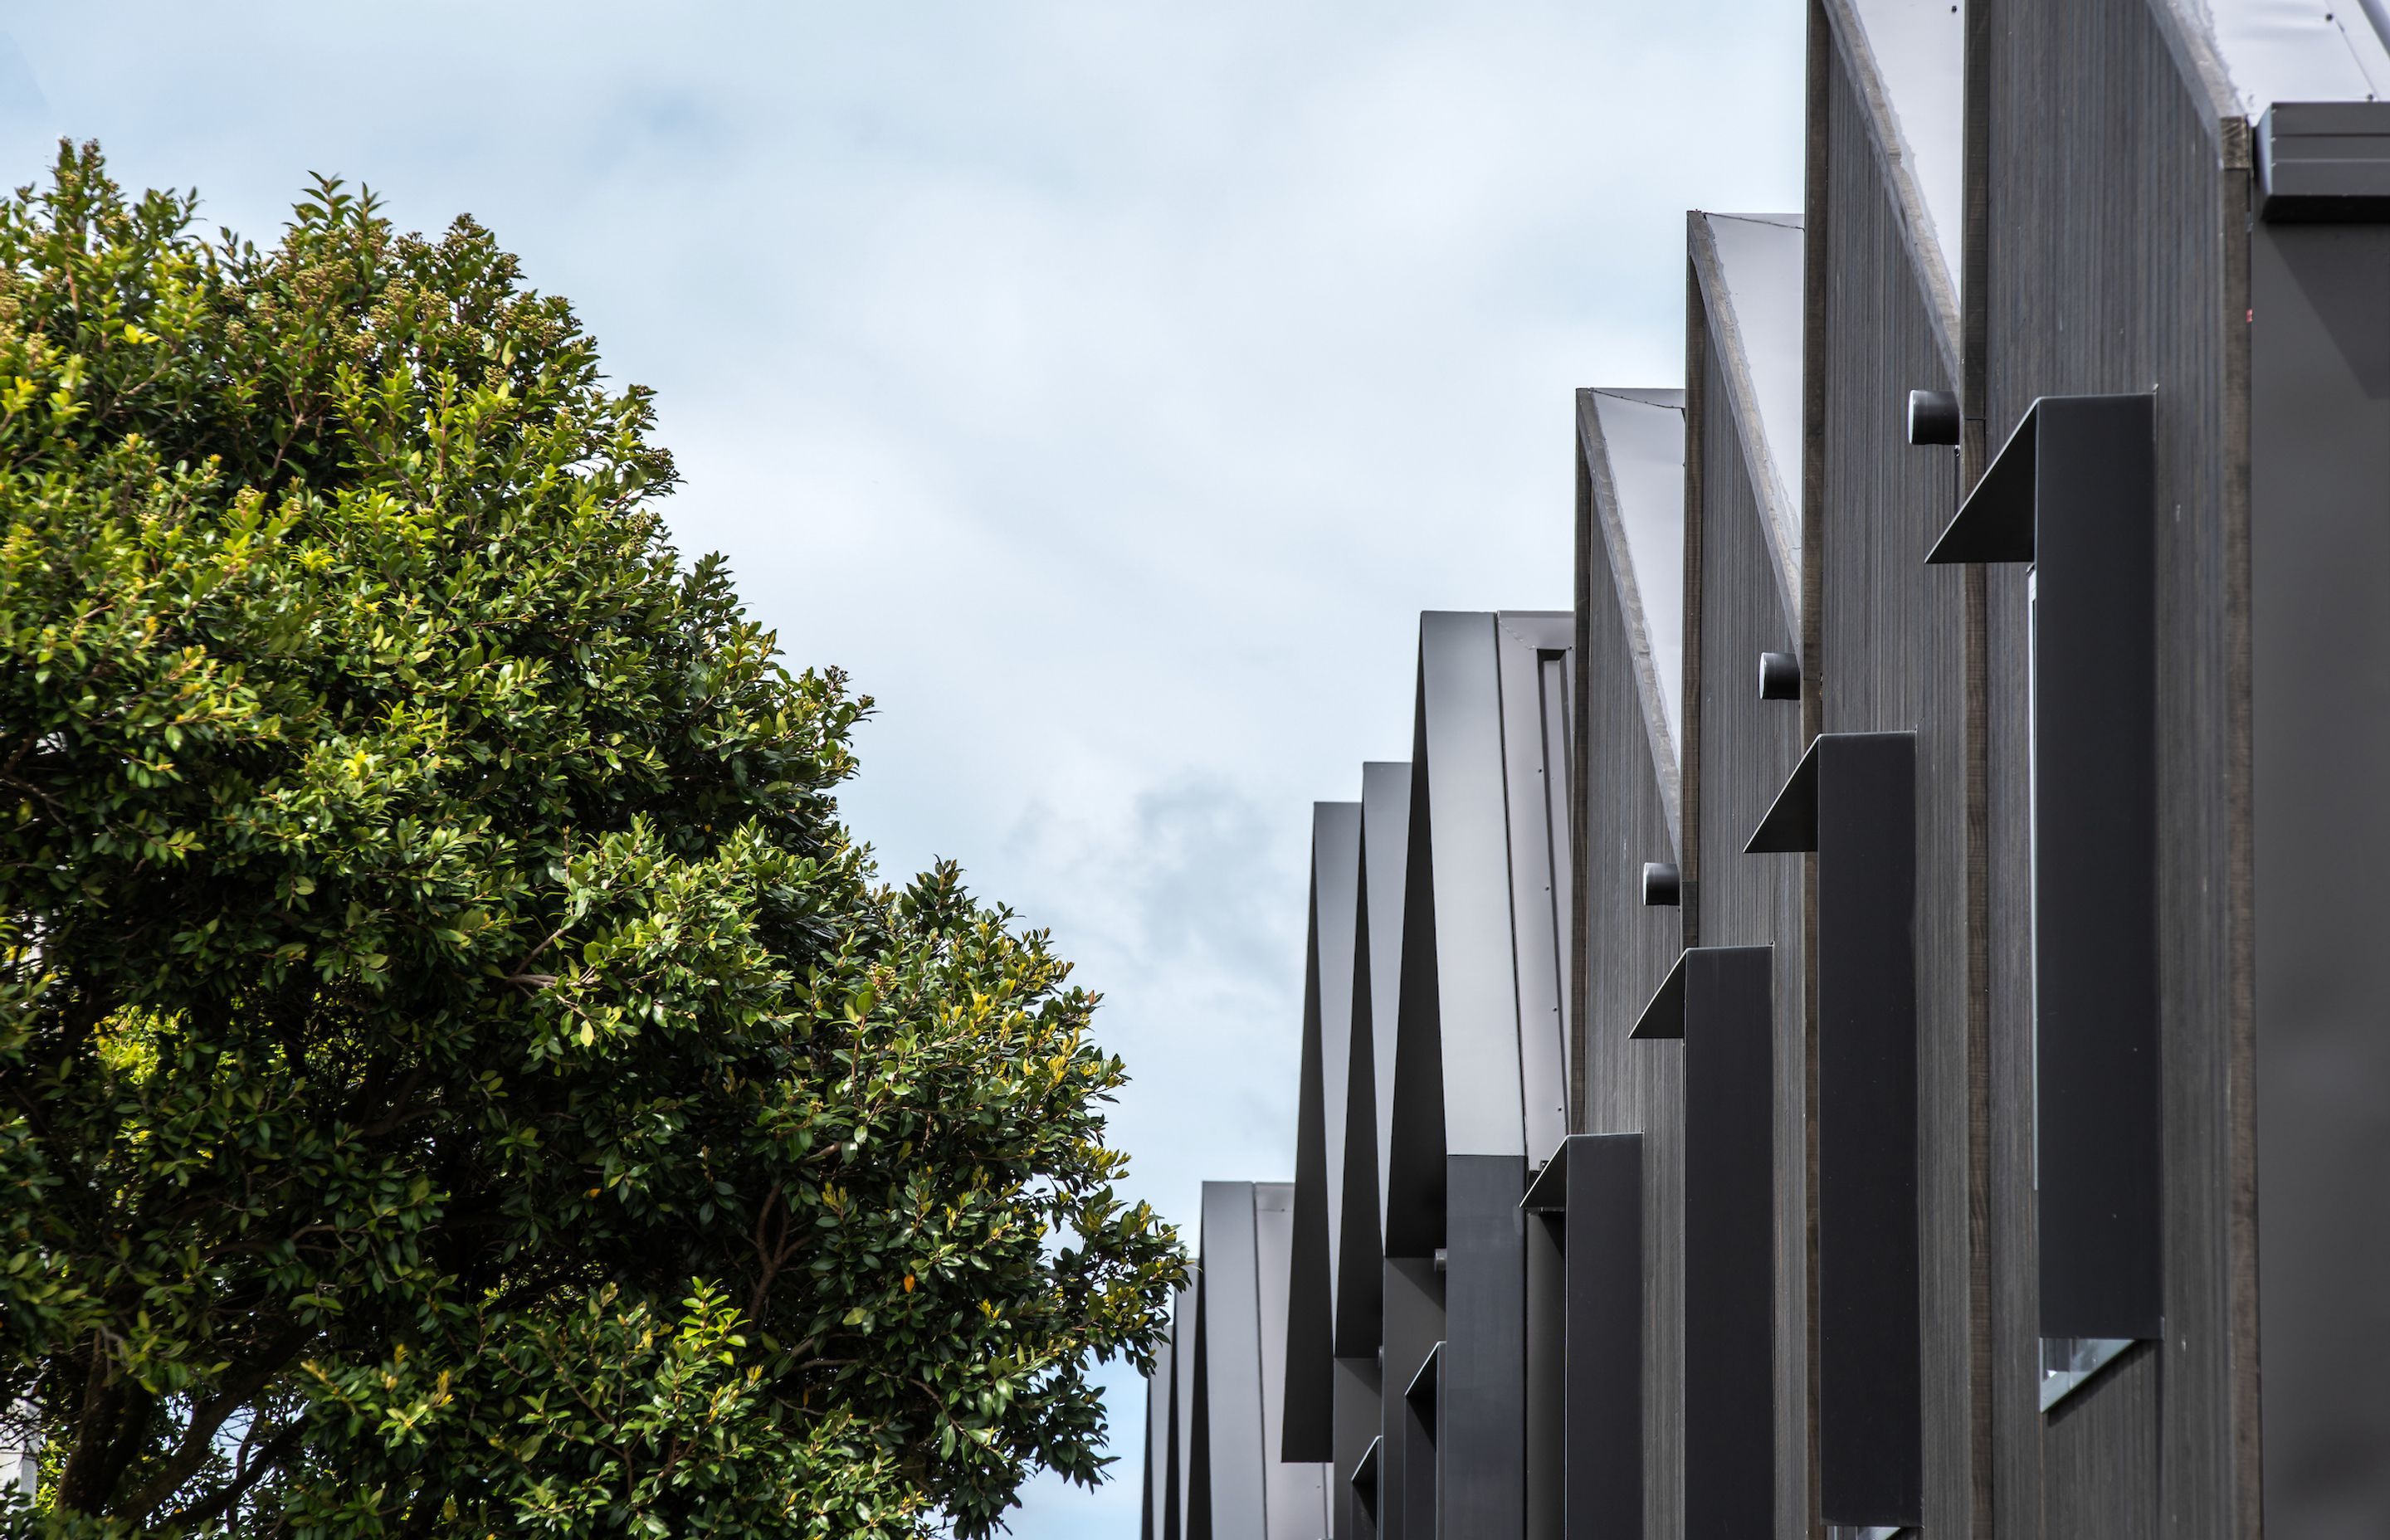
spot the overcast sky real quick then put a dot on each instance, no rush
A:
(1105, 387)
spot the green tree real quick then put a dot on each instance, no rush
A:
(458, 1076)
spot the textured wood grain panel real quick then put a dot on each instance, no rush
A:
(2116, 261)
(1746, 747)
(2100, 1454)
(1625, 949)
(1890, 657)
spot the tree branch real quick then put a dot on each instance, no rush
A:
(239, 1387)
(215, 1506)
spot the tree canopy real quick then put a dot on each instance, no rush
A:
(458, 1074)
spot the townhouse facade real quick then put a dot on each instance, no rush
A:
(1870, 1025)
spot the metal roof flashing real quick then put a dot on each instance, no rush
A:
(1635, 450)
(1913, 53)
(1750, 268)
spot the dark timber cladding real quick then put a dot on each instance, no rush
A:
(1628, 715)
(1887, 220)
(1925, 1194)
(1743, 554)
(2116, 265)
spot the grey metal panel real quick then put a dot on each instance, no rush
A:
(1185, 1313)
(1534, 652)
(1295, 1491)
(1230, 1432)
(1481, 1448)
(1309, 1324)
(1603, 1285)
(1160, 1402)
(1414, 1296)
(2115, 261)
(1336, 874)
(1356, 1242)
(1729, 1261)
(1385, 836)
(2320, 474)
(1457, 779)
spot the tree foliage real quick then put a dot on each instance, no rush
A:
(458, 1076)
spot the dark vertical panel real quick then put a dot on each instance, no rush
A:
(1547, 1418)
(1420, 1421)
(1483, 1378)
(2319, 478)
(1184, 1335)
(1357, 1420)
(1414, 1142)
(1414, 1320)
(1160, 1400)
(1729, 1252)
(1195, 1499)
(2095, 857)
(1306, 1428)
(1604, 1271)
(1869, 1376)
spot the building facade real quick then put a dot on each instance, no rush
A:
(1868, 1026)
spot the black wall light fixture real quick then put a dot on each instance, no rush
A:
(2072, 493)
(1780, 676)
(1932, 418)
(1853, 801)
(1663, 885)
(1720, 1001)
